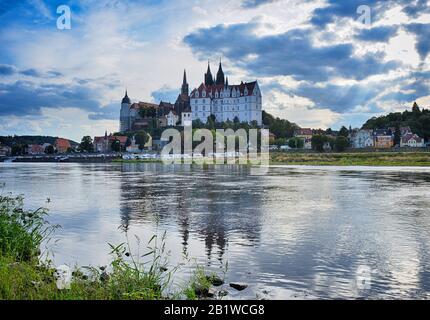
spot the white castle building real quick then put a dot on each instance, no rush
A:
(226, 102)
(214, 97)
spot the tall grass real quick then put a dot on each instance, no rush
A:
(22, 232)
(25, 275)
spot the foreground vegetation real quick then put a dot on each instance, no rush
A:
(352, 159)
(24, 275)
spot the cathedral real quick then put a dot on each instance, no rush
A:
(214, 97)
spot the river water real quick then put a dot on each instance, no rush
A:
(294, 233)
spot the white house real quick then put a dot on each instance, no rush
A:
(362, 139)
(412, 141)
(171, 118)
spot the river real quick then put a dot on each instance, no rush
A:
(294, 233)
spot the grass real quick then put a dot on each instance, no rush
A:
(353, 159)
(25, 275)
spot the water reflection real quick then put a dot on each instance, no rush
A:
(198, 200)
(296, 232)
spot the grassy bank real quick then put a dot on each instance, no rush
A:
(24, 275)
(353, 159)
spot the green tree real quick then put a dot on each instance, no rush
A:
(318, 142)
(344, 132)
(280, 142)
(18, 149)
(86, 144)
(296, 143)
(49, 149)
(141, 139)
(116, 145)
(341, 143)
(198, 124)
(397, 135)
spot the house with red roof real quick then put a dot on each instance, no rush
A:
(412, 140)
(62, 145)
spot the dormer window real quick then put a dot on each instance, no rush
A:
(204, 94)
(197, 94)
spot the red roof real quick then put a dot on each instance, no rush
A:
(62, 143)
(304, 132)
(211, 90)
(410, 136)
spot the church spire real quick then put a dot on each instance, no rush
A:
(185, 88)
(126, 99)
(209, 80)
(220, 80)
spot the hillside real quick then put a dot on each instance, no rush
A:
(417, 119)
(26, 140)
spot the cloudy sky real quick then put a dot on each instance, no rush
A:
(317, 62)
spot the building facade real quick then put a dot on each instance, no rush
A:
(226, 102)
(412, 141)
(362, 139)
(214, 97)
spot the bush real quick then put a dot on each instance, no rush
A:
(21, 232)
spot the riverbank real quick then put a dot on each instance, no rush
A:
(409, 159)
(25, 275)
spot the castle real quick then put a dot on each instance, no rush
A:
(214, 97)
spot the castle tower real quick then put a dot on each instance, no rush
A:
(185, 88)
(209, 80)
(220, 80)
(124, 118)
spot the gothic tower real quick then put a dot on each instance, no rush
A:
(209, 80)
(124, 118)
(185, 87)
(220, 80)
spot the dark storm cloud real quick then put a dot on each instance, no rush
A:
(291, 53)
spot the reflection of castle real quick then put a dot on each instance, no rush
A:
(205, 210)
(214, 97)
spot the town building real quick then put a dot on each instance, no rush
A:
(62, 145)
(383, 141)
(104, 144)
(361, 139)
(412, 141)
(35, 149)
(171, 118)
(303, 133)
(5, 150)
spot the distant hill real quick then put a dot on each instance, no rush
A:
(417, 119)
(12, 140)
(281, 128)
